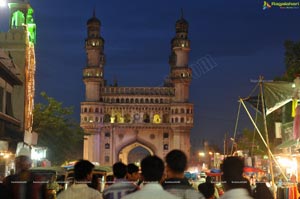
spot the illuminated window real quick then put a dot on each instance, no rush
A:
(121, 119)
(156, 119)
(112, 119)
(166, 147)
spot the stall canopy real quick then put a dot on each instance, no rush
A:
(276, 94)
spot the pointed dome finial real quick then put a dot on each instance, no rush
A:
(94, 19)
(181, 13)
(94, 12)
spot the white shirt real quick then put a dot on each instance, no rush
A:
(239, 193)
(151, 191)
(79, 191)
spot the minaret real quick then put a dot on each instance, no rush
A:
(20, 44)
(181, 74)
(93, 72)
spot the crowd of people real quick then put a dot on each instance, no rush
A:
(156, 179)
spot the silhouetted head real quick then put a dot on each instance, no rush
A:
(119, 170)
(132, 172)
(83, 170)
(176, 161)
(152, 168)
(207, 189)
(232, 168)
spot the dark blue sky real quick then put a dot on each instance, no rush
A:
(243, 40)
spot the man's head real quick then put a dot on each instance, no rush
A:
(83, 170)
(152, 168)
(132, 172)
(207, 189)
(119, 170)
(23, 163)
(232, 168)
(176, 161)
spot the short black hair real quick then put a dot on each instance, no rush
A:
(82, 168)
(176, 161)
(207, 189)
(132, 168)
(152, 168)
(119, 170)
(233, 168)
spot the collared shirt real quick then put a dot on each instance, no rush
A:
(238, 193)
(181, 188)
(151, 191)
(79, 191)
(24, 185)
(120, 188)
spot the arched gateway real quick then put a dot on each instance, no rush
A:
(134, 153)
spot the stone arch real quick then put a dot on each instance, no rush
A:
(124, 152)
(106, 118)
(18, 19)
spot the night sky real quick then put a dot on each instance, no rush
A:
(241, 40)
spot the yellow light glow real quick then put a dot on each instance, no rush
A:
(112, 119)
(202, 154)
(285, 162)
(156, 119)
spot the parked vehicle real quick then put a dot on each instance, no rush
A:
(102, 172)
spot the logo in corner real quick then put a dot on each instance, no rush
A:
(266, 5)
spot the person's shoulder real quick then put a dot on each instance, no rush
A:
(192, 193)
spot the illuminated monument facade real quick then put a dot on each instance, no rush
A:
(19, 43)
(127, 123)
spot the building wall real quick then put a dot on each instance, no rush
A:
(118, 120)
(14, 42)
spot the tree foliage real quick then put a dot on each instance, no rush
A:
(292, 61)
(250, 141)
(57, 130)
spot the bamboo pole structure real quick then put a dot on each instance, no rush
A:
(267, 134)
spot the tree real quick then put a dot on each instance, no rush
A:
(292, 61)
(249, 141)
(57, 130)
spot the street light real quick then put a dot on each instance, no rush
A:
(3, 3)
